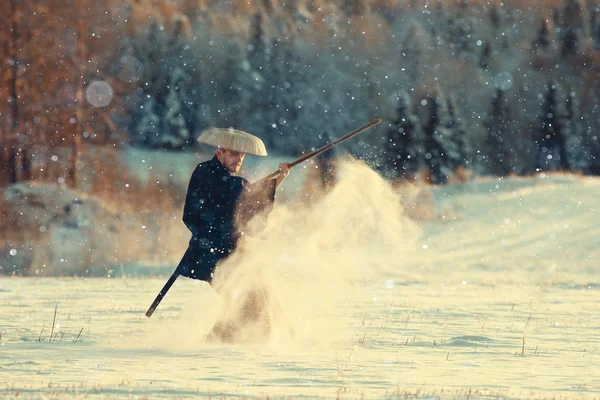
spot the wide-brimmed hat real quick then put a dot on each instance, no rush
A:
(233, 139)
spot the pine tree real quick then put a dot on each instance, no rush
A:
(258, 48)
(147, 124)
(456, 147)
(496, 15)
(461, 29)
(595, 27)
(258, 78)
(573, 27)
(436, 140)
(276, 96)
(177, 135)
(544, 37)
(576, 152)
(412, 50)
(569, 42)
(575, 17)
(486, 56)
(551, 136)
(235, 81)
(402, 147)
(593, 140)
(496, 125)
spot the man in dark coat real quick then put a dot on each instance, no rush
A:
(215, 199)
(219, 204)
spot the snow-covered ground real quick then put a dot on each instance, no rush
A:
(496, 293)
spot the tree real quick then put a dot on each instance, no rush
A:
(79, 61)
(412, 49)
(573, 26)
(595, 27)
(575, 17)
(569, 43)
(177, 135)
(234, 81)
(402, 148)
(543, 39)
(486, 56)
(148, 130)
(577, 153)
(456, 147)
(497, 130)
(46, 44)
(553, 129)
(167, 112)
(8, 142)
(437, 139)
(257, 80)
(461, 29)
(496, 15)
(258, 46)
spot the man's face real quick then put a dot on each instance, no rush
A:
(231, 160)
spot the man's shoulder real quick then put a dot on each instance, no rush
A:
(204, 166)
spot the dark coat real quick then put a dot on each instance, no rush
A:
(212, 199)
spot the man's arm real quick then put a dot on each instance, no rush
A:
(284, 170)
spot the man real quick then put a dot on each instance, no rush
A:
(214, 210)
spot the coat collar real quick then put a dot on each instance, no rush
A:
(218, 167)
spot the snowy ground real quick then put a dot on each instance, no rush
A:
(496, 295)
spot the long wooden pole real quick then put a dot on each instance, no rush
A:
(305, 157)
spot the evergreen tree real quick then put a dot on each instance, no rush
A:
(461, 29)
(177, 135)
(496, 15)
(497, 129)
(573, 27)
(544, 37)
(437, 139)
(402, 148)
(456, 147)
(576, 152)
(593, 140)
(276, 97)
(595, 27)
(550, 143)
(412, 49)
(486, 56)
(235, 80)
(147, 125)
(258, 48)
(569, 42)
(257, 83)
(574, 17)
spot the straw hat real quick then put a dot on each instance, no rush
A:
(232, 139)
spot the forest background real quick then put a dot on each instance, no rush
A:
(465, 88)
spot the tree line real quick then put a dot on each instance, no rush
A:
(488, 88)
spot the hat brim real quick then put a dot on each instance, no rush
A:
(233, 139)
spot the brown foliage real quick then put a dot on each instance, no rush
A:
(144, 13)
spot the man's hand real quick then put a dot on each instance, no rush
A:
(284, 170)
